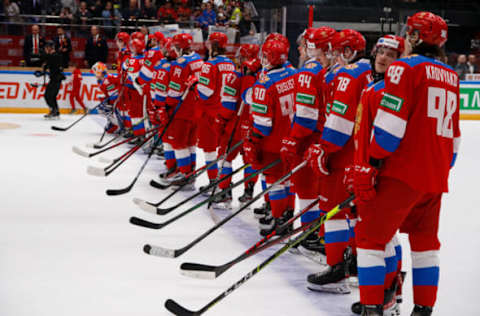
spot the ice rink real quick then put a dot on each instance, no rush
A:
(67, 248)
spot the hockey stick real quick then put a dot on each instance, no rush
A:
(163, 211)
(63, 129)
(192, 175)
(203, 271)
(229, 144)
(177, 309)
(152, 150)
(195, 173)
(141, 222)
(117, 162)
(173, 253)
(85, 154)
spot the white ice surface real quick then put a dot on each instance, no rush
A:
(67, 249)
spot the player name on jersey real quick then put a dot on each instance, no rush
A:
(443, 75)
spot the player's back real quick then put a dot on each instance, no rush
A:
(418, 119)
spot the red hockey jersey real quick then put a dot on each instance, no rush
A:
(273, 98)
(349, 82)
(152, 58)
(181, 70)
(416, 128)
(109, 87)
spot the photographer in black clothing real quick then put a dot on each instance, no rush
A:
(52, 62)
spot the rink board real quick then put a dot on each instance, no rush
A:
(17, 95)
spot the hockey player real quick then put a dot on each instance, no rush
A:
(272, 114)
(336, 147)
(76, 83)
(122, 41)
(109, 84)
(419, 112)
(152, 58)
(218, 86)
(226, 118)
(308, 123)
(386, 51)
(183, 75)
(161, 110)
(135, 97)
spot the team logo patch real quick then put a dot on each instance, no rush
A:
(111, 87)
(148, 63)
(161, 87)
(181, 60)
(204, 80)
(230, 90)
(259, 108)
(305, 98)
(391, 102)
(166, 65)
(310, 65)
(174, 86)
(339, 107)
(352, 66)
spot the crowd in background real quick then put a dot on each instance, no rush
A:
(115, 13)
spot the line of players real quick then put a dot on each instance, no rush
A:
(381, 127)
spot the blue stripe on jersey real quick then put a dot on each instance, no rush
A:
(386, 140)
(182, 162)
(335, 137)
(336, 236)
(371, 276)
(305, 122)
(391, 264)
(454, 158)
(138, 126)
(398, 251)
(202, 96)
(229, 105)
(263, 129)
(425, 276)
(226, 170)
(310, 216)
(144, 77)
(169, 154)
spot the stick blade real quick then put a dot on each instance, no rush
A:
(174, 308)
(157, 185)
(147, 207)
(90, 145)
(163, 211)
(112, 192)
(80, 152)
(56, 128)
(143, 223)
(199, 271)
(159, 251)
(95, 171)
(105, 160)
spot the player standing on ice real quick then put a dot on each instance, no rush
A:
(109, 85)
(122, 40)
(307, 124)
(415, 141)
(388, 49)
(329, 159)
(184, 74)
(218, 86)
(272, 114)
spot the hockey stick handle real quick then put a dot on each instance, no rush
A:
(78, 120)
(175, 308)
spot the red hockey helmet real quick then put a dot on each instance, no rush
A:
(138, 35)
(248, 51)
(160, 38)
(278, 37)
(349, 38)
(183, 40)
(123, 36)
(275, 51)
(431, 28)
(169, 49)
(137, 45)
(220, 38)
(320, 38)
(394, 42)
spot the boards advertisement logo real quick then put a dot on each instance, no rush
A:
(18, 89)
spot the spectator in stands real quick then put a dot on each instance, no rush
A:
(72, 5)
(472, 64)
(166, 13)
(33, 47)
(96, 8)
(184, 12)
(222, 18)
(63, 46)
(461, 68)
(131, 13)
(246, 25)
(66, 16)
(148, 10)
(236, 16)
(12, 12)
(112, 17)
(96, 48)
(83, 15)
